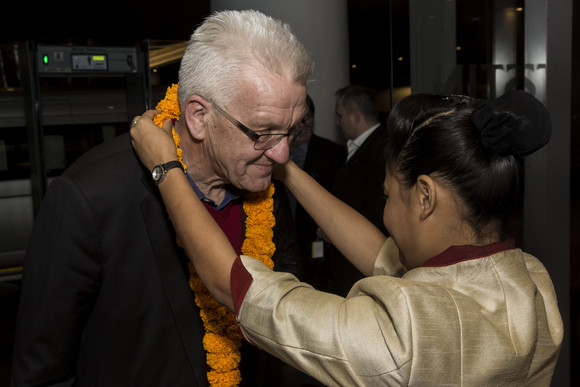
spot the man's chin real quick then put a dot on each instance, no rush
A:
(257, 184)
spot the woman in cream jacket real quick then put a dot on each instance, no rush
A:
(449, 299)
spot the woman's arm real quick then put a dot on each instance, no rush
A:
(205, 243)
(356, 238)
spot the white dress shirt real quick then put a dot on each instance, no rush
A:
(353, 145)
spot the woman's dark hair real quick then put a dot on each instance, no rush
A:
(472, 145)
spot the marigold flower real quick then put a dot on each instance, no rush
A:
(222, 363)
(224, 379)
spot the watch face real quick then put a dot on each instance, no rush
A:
(157, 173)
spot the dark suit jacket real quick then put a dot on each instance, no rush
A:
(360, 185)
(323, 161)
(105, 297)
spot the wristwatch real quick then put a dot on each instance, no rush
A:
(160, 170)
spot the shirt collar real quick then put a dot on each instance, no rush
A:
(232, 193)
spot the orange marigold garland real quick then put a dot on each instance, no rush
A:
(222, 339)
(169, 108)
(260, 221)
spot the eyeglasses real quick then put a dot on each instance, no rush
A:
(265, 141)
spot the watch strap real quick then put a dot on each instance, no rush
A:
(172, 164)
(166, 167)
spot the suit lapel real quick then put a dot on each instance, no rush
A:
(174, 276)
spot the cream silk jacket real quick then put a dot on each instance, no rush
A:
(489, 321)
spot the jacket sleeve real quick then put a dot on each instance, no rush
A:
(60, 283)
(388, 262)
(341, 342)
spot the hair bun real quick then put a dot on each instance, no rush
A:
(514, 124)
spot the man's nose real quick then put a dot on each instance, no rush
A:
(280, 153)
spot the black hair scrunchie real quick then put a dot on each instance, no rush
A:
(514, 124)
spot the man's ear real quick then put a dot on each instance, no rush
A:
(196, 114)
(357, 117)
(426, 191)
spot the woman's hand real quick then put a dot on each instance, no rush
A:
(280, 172)
(153, 145)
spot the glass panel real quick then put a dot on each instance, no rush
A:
(575, 200)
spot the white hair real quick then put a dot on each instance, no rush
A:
(229, 43)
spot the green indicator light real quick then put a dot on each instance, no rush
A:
(98, 58)
(45, 59)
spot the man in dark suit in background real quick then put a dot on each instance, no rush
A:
(321, 158)
(360, 180)
(105, 295)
